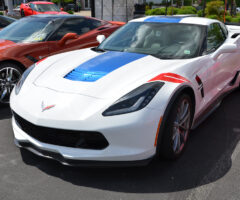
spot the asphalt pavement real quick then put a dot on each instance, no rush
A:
(208, 170)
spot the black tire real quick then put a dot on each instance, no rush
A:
(22, 13)
(175, 133)
(10, 73)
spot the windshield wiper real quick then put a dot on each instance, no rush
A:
(96, 49)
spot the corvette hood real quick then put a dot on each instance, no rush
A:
(101, 75)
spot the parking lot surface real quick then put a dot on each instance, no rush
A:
(209, 168)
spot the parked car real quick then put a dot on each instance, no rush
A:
(39, 7)
(133, 98)
(5, 21)
(72, 7)
(33, 38)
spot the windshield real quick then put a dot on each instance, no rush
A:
(28, 30)
(46, 7)
(163, 40)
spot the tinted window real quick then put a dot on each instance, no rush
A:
(215, 37)
(79, 26)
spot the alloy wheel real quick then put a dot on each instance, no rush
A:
(8, 79)
(181, 126)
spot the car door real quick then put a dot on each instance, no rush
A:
(86, 29)
(222, 70)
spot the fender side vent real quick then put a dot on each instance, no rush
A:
(199, 81)
(31, 58)
(235, 35)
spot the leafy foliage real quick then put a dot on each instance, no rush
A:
(70, 12)
(212, 16)
(215, 8)
(228, 18)
(172, 10)
(200, 13)
(62, 1)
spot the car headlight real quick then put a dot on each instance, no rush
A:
(23, 78)
(134, 100)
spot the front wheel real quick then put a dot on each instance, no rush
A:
(177, 127)
(10, 74)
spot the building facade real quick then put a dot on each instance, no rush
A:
(115, 10)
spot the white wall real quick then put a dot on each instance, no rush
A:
(9, 4)
(115, 10)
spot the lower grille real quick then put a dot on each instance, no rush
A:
(61, 137)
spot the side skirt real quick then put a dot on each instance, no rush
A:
(210, 109)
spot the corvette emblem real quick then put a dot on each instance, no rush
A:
(46, 107)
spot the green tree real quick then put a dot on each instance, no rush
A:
(215, 8)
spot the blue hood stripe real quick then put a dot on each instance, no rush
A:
(101, 65)
(164, 19)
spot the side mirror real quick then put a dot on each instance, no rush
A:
(61, 9)
(226, 48)
(100, 38)
(66, 37)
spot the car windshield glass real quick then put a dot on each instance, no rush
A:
(46, 7)
(28, 30)
(162, 40)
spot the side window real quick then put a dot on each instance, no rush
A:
(79, 26)
(215, 37)
(32, 6)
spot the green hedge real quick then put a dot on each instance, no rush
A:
(214, 10)
(70, 12)
(172, 10)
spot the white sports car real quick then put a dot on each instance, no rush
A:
(135, 96)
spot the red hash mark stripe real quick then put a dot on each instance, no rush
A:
(169, 77)
(48, 107)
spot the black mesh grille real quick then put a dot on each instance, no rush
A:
(61, 137)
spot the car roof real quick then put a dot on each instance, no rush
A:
(41, 2)
(186, 19)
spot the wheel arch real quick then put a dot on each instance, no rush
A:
(19, 64)
(185, 89)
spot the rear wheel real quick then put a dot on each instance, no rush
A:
(177, 127)
(10, 74)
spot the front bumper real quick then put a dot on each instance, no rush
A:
(71, 162)
(129, 145)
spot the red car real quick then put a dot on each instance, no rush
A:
(33, 38)
(39, 7)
